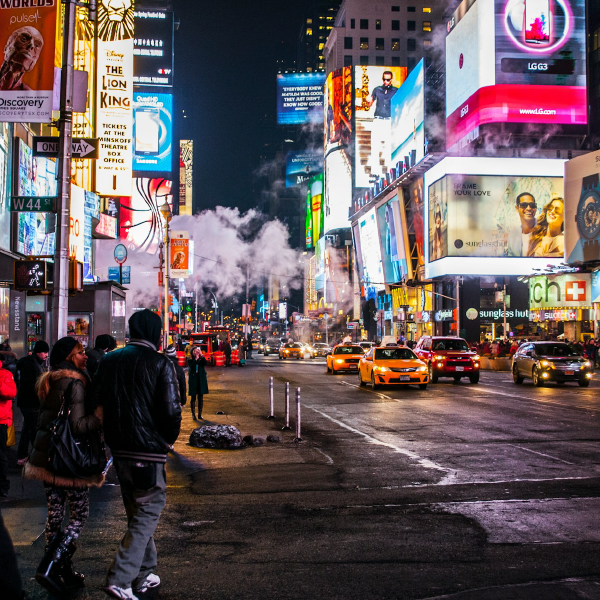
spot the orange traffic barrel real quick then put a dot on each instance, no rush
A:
(219, 359)
(235, 357)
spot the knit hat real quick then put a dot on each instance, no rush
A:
(62, 349)
(103, 341)
(41, 346)
(171, 352)
(145, 325)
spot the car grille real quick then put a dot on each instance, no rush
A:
(353, 360)
(458, 361)
(407, 370)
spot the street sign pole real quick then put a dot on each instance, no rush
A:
(60, 298)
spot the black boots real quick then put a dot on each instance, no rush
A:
(55, 572)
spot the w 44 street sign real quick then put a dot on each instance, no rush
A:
(32, 203)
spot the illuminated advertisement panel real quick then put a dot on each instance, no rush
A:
(5, 184)
(114, 98)
(515, 61)
(179, 254)
(408, 115)
(27, 34)
(502, 216)
(375, 89)
(301, 166)
(92, 211)
(152, 132)
(394, 242)
(314, 212)
(186, 176)
(77, 224)
(153, 48)
(357, 248)
(416, 217)
(582, 208)
(300, 98)
(372, 270)
(320, 264)
(337, 275)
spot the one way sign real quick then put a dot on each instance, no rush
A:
(80, 147)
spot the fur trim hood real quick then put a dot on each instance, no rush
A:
(50, 379)
(40, 474)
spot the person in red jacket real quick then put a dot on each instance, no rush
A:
(8, 390)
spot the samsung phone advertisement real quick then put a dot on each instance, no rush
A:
(300, 98)
(153, 132)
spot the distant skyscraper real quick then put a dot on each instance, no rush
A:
(319, 17)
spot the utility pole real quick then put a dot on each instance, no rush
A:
(458, 306)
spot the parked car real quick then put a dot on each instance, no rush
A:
(344, 357)
(448, 356)
(272, 346)
(321, 349)
(550, 361)
(392, 366)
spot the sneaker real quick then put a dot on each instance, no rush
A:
(119, 592)
(150, 582)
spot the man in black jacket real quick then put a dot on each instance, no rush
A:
(138, 389)
(29, 368)
(171, 353)
(104, 343)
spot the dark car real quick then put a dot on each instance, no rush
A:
(550, 361)
(321, 349)
(448, 356)
(271, 346)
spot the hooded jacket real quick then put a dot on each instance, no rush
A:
(138, 390)
(51, 390)
(29, 369)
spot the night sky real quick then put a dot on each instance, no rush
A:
(225, 80)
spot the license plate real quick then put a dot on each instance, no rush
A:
(404, 377)
(459, 369)
(569, 372)
(353, 366)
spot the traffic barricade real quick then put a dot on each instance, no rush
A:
(219, 358)
(235, 357)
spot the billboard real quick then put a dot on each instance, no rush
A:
(301, 166)
(152, 132)
(560, 291)
(300, 98)
(186, 176)
(27, 34)
(77, 224)
(408, 116)
(114, 117)
(5, 184)
(395, 252)
(582, 208)
(371, 276)
(314, 210)
(496, 215)
(374, 91)
(153, 48)
(515, 61)
(416, 217)
(179, 254)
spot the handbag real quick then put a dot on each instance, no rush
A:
(75, 457)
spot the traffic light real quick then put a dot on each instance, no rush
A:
(253, 305)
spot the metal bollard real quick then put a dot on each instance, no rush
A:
(287, 427)
(298, 419)
(271, 402)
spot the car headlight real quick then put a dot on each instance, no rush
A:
(587, 363)
(381, 369)
(423, 368)
(477, 357)
(439, 357)
(545, 363)
(339, 360)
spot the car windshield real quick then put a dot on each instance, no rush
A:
(349, 350)
(394, 354)
(450, 344)
(293, 346)
(320, 345)
(555, 350)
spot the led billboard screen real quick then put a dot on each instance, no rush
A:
(375, 89)
(300, 98)
(515, 61)
(153, 48)
(372, 276)
(582, 204)
(496, 215)
(5, 184)
(394, 241)
(408, 115)
(314, 210)
(152, 132)
(301, 166)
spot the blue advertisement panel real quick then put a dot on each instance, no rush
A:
(301, 166)
(300, 98)
(152, 132)
(394, 255)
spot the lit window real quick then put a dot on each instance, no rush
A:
(321, 46)
(377, 23)
(426, 43)
(309, 21)
(396, 44)
(426, 25)
(364, 43)
(309, 32)
(379, 44)
(426, 10)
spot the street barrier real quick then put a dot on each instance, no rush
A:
(298, 419)
(287, 427)
(271, 401)
(219, 359)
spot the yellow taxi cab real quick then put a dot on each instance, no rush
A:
(344, 357)
(392, 365)
(291, 350)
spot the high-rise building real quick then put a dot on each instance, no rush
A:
(319, 17)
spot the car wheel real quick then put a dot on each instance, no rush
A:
(537, 380)
(328, 369)
(516, 377)
(584, 383)
(474, 378)
(375, 385)
(432, 376)
(422, 386)
(360, 380)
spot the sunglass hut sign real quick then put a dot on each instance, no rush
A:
(560, 291)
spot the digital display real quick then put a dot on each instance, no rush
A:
(300, 166)
(152, 132)
(314, 210)
(300, 98)
(394, 238)
(372, 270)
(153, 48)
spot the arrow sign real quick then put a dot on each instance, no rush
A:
(80, 147)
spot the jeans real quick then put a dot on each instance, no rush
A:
(143, 488)
(30, 419)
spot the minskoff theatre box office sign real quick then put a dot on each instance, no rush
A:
(560, 291)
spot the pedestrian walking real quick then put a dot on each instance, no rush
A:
(29, 369)
(171, 354)
(8, 390)
(227, 352)
(137, 387)
(242, 351)
(66, 382)
(198, 380)
(104, 343)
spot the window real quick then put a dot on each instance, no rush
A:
(308, 31)
(395, 9)
(364, 60)
(347, 60)
(426, 43)
(347, 43)
(426, 25)
(364, 23)
(377, 23)
(309, 21)
(411, 25)
(364, 43)
(411, 9)
(395, 25)
(352, 23)
(395, 61)
(411, 44)
(396, 44)
(379, 44)
(380, 61)
(426, 10)
(411, 63)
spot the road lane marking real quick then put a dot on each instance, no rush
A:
(566, 462)
(354, 385)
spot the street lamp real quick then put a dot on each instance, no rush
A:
(165, 210)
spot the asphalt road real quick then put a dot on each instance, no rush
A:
(472, 492)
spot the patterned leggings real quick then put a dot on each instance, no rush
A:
(79, 510)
